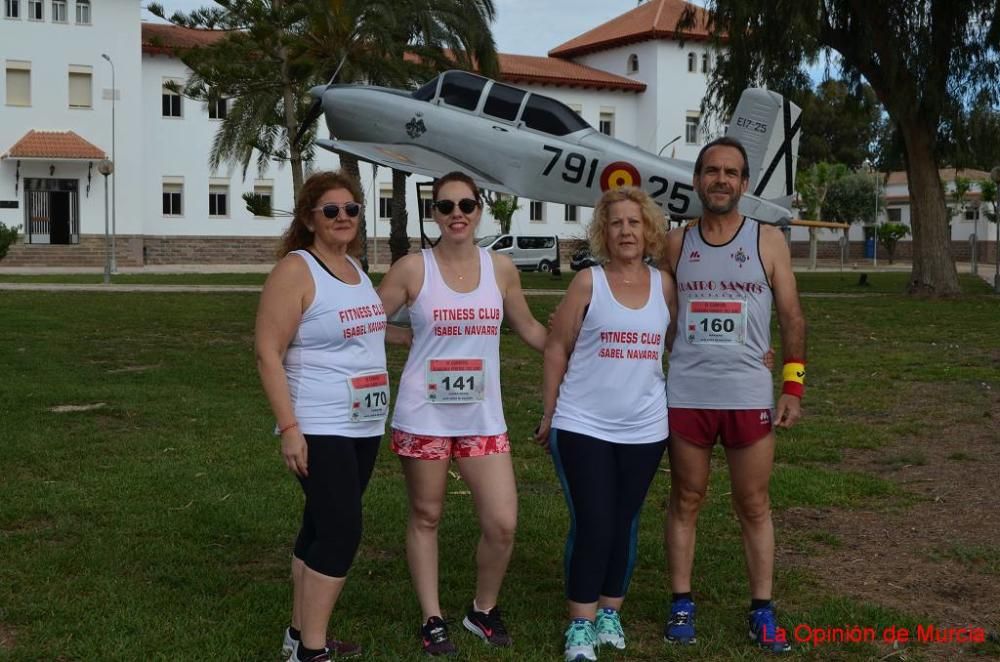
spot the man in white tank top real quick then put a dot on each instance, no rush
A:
(728, 271)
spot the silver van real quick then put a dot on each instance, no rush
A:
(529, 252)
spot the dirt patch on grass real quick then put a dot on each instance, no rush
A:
(6, 637)
(933, 553)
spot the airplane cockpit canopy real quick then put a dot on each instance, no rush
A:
(505, 102)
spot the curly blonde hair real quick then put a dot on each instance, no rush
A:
(654, 224)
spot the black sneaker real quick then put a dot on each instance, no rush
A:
(487, 626)
(434, 635)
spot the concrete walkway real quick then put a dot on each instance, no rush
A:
(985, 271)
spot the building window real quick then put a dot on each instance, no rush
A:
(633, 63)
(692, 63)
(704, 63)
(264, 192)
(971, 213)
(536, 212)
(83, 12)
(895, 214)
(171, 102)
(426, 207)
(218, 200)
(218, 108)
(58, 11)
(607, 123)
(385, 204)
(80, 87)
(35, 12)
(18, 83)
(13, 8)
(691, 128)
(173, 194)
(570, 214)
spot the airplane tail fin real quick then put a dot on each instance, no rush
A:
(768, 126)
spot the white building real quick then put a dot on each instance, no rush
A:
(62, 113)
(83, 80)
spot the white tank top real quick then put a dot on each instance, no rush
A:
(341, 336)
(613, 388)
(723, 324)
(451, 382)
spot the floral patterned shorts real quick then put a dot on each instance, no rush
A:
(425, 447)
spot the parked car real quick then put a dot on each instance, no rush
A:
(582, 259)
(529, 252)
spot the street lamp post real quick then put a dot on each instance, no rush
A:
(875, 218)
(995, 176)
(114, 199)
(106, 167)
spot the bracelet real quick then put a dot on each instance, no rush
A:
(288, 427)
(794, 378)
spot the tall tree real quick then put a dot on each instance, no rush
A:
(854, 198)
(919, 56)
(812, 185)
(840, 123)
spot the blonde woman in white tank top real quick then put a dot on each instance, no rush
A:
(449, 406)
(603, 399)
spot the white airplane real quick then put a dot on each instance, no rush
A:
(513, 141)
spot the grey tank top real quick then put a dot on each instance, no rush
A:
(723, 324)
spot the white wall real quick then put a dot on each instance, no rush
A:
(51, 48)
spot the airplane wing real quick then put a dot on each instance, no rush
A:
(763, 211)
(410, 158)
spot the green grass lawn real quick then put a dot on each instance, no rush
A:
(159, 522)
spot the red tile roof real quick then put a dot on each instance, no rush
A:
(553, 71)
(168, 39)
(162, 39)
(656, 19)
(898, 177)
(56, 145)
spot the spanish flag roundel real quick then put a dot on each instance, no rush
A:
(619, 174)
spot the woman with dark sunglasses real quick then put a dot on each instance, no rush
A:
(448, 404)
(320, 352)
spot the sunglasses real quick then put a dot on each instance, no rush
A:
(332, 210)
(467, 205)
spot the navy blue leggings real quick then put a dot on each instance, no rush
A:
(605, 485)
(339, 469)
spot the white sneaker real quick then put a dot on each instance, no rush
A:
(289, 647)
(581, 637)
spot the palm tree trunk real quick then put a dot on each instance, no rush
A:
(350, 165)
(813, 241)
(291, 120)
(399, 241)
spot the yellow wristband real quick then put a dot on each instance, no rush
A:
(794, 372)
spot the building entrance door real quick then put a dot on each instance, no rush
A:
(59, 217)
(51, 211)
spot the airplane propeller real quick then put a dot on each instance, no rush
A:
(316, 109)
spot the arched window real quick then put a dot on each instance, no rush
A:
(704, 63)
(692, 63)
(633, 63)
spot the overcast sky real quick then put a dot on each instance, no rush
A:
(527, 27)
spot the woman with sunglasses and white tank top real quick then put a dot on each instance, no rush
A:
(319, 341)
(449, 406)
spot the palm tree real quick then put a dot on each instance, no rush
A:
(274, 51)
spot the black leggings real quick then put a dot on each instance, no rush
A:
(605, 484)
(339, 469)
